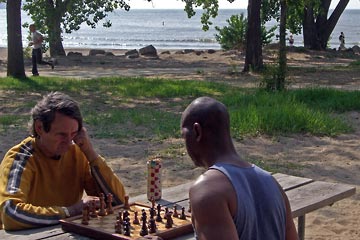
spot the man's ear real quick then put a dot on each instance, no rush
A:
(198, 131)
(38, 127)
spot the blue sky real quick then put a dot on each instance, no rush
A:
(168, 4)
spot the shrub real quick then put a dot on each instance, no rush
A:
(234, 35)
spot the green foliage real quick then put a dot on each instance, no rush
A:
(273, 78)
(210, 8)
(234, 35)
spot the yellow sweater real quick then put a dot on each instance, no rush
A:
(34, 188)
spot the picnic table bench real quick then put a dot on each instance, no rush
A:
(305, 195)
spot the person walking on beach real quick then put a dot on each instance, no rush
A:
(233, 199)
(36, 55)
(291, 40)
(342, 41)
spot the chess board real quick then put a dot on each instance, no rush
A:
(103, 227)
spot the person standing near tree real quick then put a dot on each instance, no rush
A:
(36, 55)
(342, 41)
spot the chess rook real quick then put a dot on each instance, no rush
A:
(154, 179)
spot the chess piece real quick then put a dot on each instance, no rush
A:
(118, 227)
(152, 225)
(85, 216)
(158, 216)
(109, 209)
(127, 228)
(126, 217)
(166, 212)
(175, 214)
(102, 205)
(93, 212)
(120, 218)
(126, 204)
(169, 220)
(136, 219)
(143, 215)
(144, 229)
(152, 200)
(152, 212)
(183, 216)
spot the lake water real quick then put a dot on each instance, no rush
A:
(169, 29)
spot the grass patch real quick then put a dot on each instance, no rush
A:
(125, 107)
(355, 64)
(134, 122)
(8, 120)
(290, 111)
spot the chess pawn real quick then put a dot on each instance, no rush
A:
(102, 205)
(166, 212)
(175, 214)
(169, 220)
(136, 219)
(154, 179)
(126, 203)
(183, 215)
(109, 209)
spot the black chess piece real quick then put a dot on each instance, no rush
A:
(144, 229)
(127, 228)
(118, 227)
(152, 225)
(169, 220)
(136, 219)
(175, 214)
(183, 216)
(158, 216)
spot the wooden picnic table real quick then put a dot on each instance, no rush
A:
(305, 195)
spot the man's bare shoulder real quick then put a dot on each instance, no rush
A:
(211, 184)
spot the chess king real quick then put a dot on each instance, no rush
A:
(43, 178)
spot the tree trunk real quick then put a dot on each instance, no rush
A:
(253, 55)
(55, 39)
(280, 85)
(15, 66)
(317, 32)
(54, 30)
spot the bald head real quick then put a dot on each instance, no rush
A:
(211, 114)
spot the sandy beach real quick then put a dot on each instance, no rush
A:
(332, 159)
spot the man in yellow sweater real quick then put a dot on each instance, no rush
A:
(43, 179)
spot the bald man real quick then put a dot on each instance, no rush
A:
(233, 199)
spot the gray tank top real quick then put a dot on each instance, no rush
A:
(261, 212)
